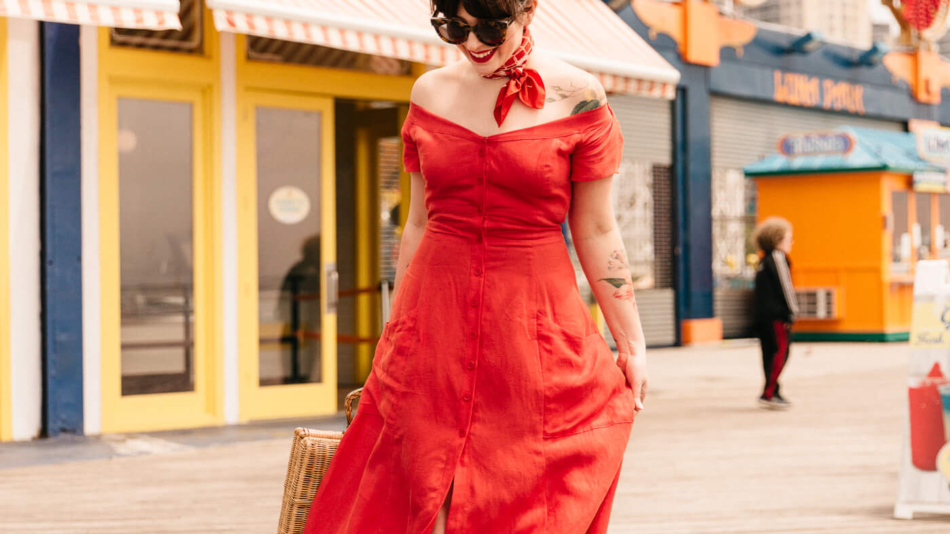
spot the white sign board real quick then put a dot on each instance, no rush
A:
(925, 466)
(933, 144)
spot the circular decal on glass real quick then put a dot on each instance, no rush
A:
(289, 204)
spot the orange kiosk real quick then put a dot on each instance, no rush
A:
(866, 206)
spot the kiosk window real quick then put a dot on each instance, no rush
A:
(901, 246)
(942, 235)
(924, 240)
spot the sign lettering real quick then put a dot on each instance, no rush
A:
(816, 143)
(931, 182)
(814, 92)
(933, 144)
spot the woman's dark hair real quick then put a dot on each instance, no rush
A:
(482, 9)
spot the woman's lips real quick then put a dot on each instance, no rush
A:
(482, 57)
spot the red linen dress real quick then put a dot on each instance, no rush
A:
(490, 374)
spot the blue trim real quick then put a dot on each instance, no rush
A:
(694, 197)
(61, 228)
(680, 250)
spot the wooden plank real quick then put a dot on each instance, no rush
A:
(702, 459)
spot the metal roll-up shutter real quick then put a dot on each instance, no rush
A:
(745, 131)
(742, 132)
(647, 125)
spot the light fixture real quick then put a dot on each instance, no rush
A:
(806, 44)
(873, 56)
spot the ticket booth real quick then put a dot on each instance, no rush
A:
(866, 206)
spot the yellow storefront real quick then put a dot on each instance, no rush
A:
(248, 188)
(6, 413)
(20, 250)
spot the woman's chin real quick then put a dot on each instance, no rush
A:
(483, 69)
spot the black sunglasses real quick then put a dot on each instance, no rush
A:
(455, 31)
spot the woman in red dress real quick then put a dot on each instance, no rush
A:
(494, 404)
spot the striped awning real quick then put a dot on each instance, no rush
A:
(139, 14)
(585, 33)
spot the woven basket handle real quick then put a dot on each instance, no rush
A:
(354, 395)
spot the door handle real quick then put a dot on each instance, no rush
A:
(333, 287)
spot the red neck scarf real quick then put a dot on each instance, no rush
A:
(523, 83)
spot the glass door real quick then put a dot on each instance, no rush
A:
(287, 245)
(157, 206)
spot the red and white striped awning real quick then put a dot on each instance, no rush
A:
(585, 33)
(138, 14)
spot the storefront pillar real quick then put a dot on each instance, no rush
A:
(61, 230)
(693, 175)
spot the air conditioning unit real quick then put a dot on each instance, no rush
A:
(818, 303)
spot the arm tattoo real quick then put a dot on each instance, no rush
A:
(622, 283)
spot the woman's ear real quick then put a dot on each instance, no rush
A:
(531, 9)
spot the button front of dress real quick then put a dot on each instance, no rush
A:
(491, 377)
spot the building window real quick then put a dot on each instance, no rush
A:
(633, 206)
(289, 237)
(188, 40)
(923, 238)
(642, 198)
(277, 51)
(388, 153)
(942, 233)
(901, 245)
(156, 246)
(733, 214)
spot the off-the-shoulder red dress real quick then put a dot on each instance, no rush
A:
(490, 374)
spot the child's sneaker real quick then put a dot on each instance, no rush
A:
(775, 403)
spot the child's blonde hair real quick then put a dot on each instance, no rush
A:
(770, 232)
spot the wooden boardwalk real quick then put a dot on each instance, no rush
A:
(703, 459)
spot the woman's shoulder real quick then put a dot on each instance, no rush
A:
(433, 83)
(569, 89)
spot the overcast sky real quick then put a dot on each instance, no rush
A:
(879, 13)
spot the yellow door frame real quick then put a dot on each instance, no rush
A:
(288, 85)
(367, 234)
(193, 79)
(367, 271)
(6, 409)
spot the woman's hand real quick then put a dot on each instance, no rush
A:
(633, 363)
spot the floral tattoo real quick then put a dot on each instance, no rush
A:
(593, 97)
(623, 284)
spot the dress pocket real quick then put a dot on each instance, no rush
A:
(408, 296)
(390, 359)
(583, 389)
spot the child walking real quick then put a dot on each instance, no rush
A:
(775, 305)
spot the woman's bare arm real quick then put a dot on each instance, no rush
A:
(601, 251)
(415, 226)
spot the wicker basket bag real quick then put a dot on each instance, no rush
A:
(310, 457)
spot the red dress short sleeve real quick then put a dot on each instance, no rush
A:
(598, 152)
(410, 154)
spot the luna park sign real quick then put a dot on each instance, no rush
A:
(802, 90)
